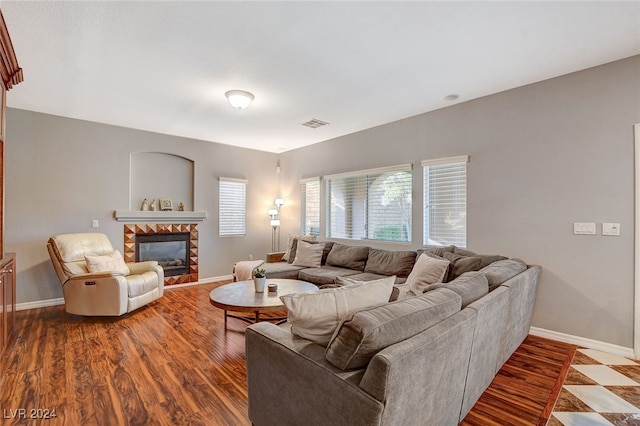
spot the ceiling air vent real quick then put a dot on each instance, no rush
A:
(314, 123)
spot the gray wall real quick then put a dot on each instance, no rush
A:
(542, 157)
(62, 173)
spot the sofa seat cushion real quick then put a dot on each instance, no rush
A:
(470, 286)
(368, 276)
(281, 270)
(387, 262)
(324, 275)
(349, 257)
(364, 333)
(502, 270)
(315, 316)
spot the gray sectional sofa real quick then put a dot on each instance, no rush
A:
(425, 359)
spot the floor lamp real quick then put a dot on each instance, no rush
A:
(275, 224)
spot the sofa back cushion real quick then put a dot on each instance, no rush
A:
(350, 257)
(364, 333)
(461, 264)
(316, 315)
(470, 286)
(502, 270)
(387, 262)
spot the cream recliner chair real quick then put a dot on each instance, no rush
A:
(95, 279)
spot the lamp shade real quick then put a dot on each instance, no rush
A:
(279, 202)
(239, 99)
(275, 222)
(272, 212)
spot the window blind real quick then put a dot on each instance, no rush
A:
(445, 201)
(371, 204)
(233, 206)
(310, 207)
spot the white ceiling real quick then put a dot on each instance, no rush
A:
(165, 66)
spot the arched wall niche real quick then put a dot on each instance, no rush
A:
(156, 175)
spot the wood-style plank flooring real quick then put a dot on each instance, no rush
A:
(168, 363)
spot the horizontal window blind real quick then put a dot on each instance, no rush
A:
(372, 204)
(233, 206)
(445, 201)
(310, 203)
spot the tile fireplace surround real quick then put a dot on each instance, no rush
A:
(132, 230)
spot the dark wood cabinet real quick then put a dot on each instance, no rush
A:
(8, 298)
(11, 74)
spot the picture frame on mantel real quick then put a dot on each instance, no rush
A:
(166, 204)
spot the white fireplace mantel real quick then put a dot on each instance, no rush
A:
(158, 216)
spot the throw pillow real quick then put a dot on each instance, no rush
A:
(112, 262)
(290, 253)
(309, 255)
(366, 332)
(427, 270)
(315, 316)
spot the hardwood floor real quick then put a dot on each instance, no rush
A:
(169, 363)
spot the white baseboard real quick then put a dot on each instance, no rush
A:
(39, 304)
(583, 342)
(60, 301)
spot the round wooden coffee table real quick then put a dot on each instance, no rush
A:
(241, 297)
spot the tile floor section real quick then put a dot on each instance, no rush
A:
(600, 389)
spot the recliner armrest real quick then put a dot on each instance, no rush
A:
(138, 268)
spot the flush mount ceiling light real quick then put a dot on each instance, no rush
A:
(239, 99)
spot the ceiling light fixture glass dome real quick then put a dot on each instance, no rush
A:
(239, 99)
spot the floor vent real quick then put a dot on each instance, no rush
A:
(314, 123)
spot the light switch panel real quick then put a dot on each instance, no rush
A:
(610, 229)
(584, 228)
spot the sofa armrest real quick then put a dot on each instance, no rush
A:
(275, 257)
(284, 367)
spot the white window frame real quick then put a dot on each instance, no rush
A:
(232, 207)
(309, 219)
(453, 231)
(359, 216)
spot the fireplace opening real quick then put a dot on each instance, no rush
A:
(171, 251)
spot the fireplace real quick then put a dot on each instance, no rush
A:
(169, 250)
(173, 246)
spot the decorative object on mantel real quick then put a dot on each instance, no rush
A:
(181, 207)
(259, 279)
(152, 206)
(145, 205)
(166, 204)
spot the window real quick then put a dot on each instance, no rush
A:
(310, 207)
(371, 204)
(233, 206)
(445, 201)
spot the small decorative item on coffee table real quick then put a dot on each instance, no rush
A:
(259, 279)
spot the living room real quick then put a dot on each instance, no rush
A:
(542, 157)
